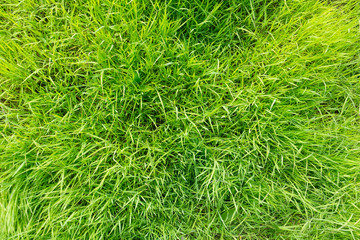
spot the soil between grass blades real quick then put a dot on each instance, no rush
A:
(179, 119)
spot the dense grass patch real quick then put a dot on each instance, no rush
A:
(178, 119)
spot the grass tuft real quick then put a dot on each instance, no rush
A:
(150, 119)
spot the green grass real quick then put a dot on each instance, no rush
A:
(179, 119)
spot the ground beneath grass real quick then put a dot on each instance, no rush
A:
(177, 119)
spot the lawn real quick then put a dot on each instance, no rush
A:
(179, 119)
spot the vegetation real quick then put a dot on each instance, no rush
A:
(179, 119)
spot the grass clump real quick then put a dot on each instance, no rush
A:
(173, 119)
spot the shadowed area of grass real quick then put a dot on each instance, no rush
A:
(176, 119)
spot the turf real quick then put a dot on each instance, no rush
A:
(179, 119)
